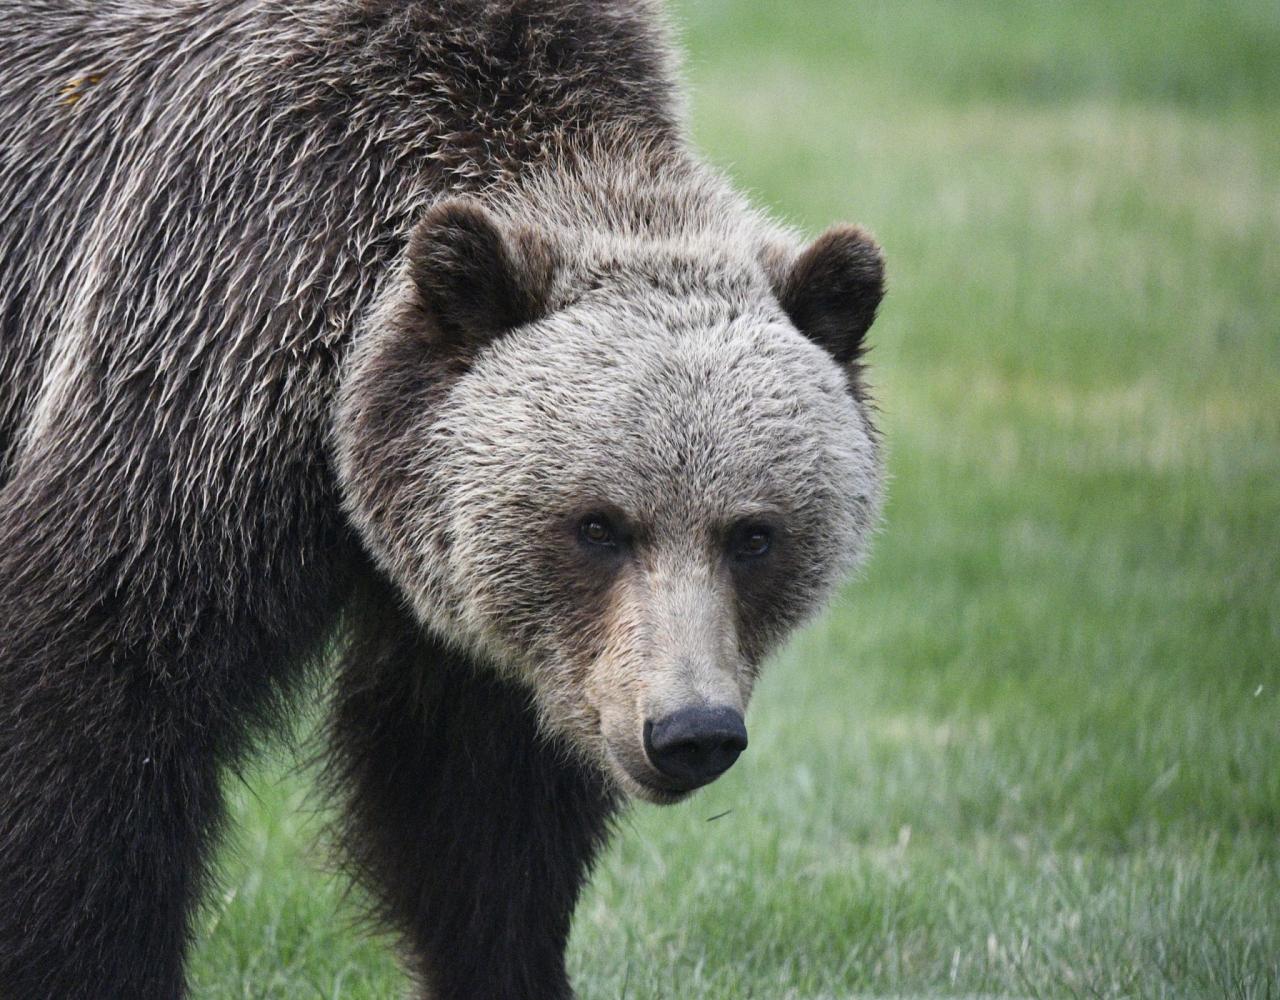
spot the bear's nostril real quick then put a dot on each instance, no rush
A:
(693, 746)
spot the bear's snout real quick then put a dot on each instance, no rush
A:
(692, 747)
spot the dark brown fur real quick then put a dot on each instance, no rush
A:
(199, 231)
(480, 836)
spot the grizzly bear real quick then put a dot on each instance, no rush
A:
(408, 343)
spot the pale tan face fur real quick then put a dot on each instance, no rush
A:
(673, 401)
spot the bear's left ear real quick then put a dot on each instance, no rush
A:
(473, 277)
(832, 289)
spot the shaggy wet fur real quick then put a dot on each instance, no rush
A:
(203, 206)
(482, 832)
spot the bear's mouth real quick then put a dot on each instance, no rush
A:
(640, 781)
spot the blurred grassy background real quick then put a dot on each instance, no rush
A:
(1034, 751)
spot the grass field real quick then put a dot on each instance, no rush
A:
(1035, 750)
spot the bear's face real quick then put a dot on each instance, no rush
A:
(620, 481)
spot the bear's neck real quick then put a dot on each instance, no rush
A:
(629, 188)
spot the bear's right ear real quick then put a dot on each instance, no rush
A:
(471, 279)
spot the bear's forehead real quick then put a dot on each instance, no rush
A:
(690, 365)
(665, 421)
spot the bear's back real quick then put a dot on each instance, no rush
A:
(200, 197)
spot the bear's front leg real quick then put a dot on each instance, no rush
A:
(473, 833)
(134, 656)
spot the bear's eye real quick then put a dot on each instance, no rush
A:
(751, 541)
(595, 529)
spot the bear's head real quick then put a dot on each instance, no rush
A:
(618, 471)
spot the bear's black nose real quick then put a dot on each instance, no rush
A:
(694, 746)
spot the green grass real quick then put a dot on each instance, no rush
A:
(1035, 750)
